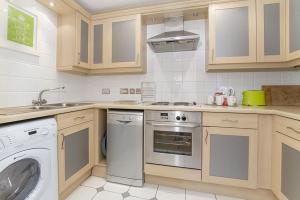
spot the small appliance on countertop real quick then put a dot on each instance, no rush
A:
(254, 98)
(224, 96)
(173, 138)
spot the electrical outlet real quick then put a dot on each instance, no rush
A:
(105, 91)
(123, 90)
(132, 91)
(138, 91)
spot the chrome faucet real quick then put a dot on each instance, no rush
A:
(42, 101)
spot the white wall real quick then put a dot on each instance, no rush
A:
(181, 76)
(23, 75)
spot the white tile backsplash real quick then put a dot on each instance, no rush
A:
(22, 75)
(179, 76)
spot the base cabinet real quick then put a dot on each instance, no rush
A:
(75, 148)
(286, 165)
(230, 156)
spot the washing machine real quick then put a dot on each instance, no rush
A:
(28, 160)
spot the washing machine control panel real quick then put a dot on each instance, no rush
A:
(22, 138)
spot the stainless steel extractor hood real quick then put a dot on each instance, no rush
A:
(173, 40)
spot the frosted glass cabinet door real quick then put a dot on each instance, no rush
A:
(123, 41)
(98, 44)
(286, 167)
(232, 32)
(83, 39)
(271, 30)
(293, 30)
(126, 36)
(75, 153)
(230, 156)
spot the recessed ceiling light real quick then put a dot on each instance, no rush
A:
(51, 4)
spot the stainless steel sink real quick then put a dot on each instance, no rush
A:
(56, 106)
(65, 105)
(43, 107)
(126, 102)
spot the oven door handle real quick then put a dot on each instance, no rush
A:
(187, 125)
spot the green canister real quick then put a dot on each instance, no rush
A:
(254, 98)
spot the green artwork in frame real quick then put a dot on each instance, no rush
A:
(20, 27)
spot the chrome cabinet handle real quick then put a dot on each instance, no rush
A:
(230, 120)
(63, 142)
(175, 125)
(124, 122)
(206, 136)
(79, 57)
(293, 129)
(79, 118)
(137, 58)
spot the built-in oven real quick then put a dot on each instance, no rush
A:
(173, 138)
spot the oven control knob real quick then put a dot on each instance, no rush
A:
(178, 118)
(183, 118)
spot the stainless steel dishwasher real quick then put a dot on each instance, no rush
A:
(125, 137)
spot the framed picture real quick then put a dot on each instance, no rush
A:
(18, 28)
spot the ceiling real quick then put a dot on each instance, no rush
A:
(98, 6)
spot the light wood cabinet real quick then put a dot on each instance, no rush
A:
(254, 35)
(271, 31)
(73, 50)
(126, 41)
(293, 29)
(230, 120)
(117, 45)
(99, 44)
(230, 156)
(286, 165)
(83, 40)
(232, 32)
(114, 45)
(76, 154)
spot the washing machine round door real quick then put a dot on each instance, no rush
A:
(24, 174)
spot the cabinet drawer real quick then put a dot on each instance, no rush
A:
(289, 127)
(231, 120)
(74, 118)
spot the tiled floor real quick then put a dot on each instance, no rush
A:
(95, 188)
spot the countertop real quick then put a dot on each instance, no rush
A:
(8, 115)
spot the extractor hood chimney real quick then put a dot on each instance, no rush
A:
(175, 38)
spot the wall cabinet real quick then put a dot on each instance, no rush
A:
(126, 41)
(271, 30)
(261, 32)
(232, 31)
(117, 44)
(230, 156)
(293, 28)
(73, 48)
(83, 40)
(113, 45)
(98, 45)
(286, 165)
